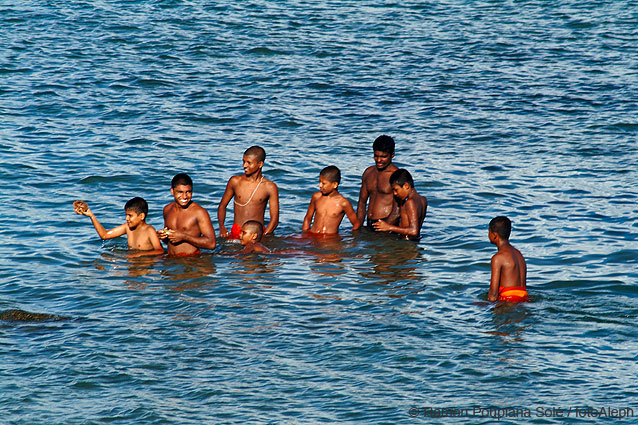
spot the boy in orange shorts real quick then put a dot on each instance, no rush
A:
(509, 269)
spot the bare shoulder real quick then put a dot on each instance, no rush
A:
(169, 207)
(234, 180)
(148, 228)
(270, 185)
(198, 209)
(368, 172)
(342, 199)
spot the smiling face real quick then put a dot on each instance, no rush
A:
(133, 219)
(251, 165)
(326, 186)
(183, 195)
(382, 159)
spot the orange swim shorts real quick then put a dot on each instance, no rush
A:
(513, 294)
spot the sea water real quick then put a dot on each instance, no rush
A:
(526, 109)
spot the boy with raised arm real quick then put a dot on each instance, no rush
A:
(187, 225)
(375, 186)
(140, 235)
(328, 206)
(252, 192)
(412, 207)
(509, 269)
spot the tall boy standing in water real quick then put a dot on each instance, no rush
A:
(375, 185)
(187, 225)
(329, 206)
(252, 192)
(412, 207)
(509, 269)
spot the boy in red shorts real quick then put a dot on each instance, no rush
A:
(252, 193)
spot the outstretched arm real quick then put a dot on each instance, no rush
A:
(83, 209)
(273, 207)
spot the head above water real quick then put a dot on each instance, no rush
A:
(331, 173)
(384, 143)
(181, 179)
(502, 226)
(256, 151)
(401, 177)
(253, 227)
(137, 205)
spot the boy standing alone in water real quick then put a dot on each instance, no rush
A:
(252, 192)
(509, 270)
(187, 224)
(328, 206)
(375, 185)
(412, 207)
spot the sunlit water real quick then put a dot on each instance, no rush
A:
(526, 109)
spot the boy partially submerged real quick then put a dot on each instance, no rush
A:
(328, 206)
(509, 269)
(412, 207)
(140, 235)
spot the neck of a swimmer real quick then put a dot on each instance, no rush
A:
(254, 176)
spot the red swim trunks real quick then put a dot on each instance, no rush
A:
(235, 231)
(513, 294)
(186, 254)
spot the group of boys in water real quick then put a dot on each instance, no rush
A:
(388, 202)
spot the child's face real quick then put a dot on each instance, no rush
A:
(326, 186)
(246, 237)
(182, 194)
(401, 192)
(133, 219)
(382, 159)
(251, 165)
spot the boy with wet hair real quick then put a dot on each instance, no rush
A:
(508, 281)
(375, 186)
(252, 193)
(328, 206)
(187, 225)
(140, 235)
(250, 237)
(412, 207)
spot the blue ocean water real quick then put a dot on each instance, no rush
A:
(526, 109)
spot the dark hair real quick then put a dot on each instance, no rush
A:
(502, 226)
(255, 227)
(331, 173)
(401, 177)
(138, 205)
(256, 151)
(181, 179)
(384, 143)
